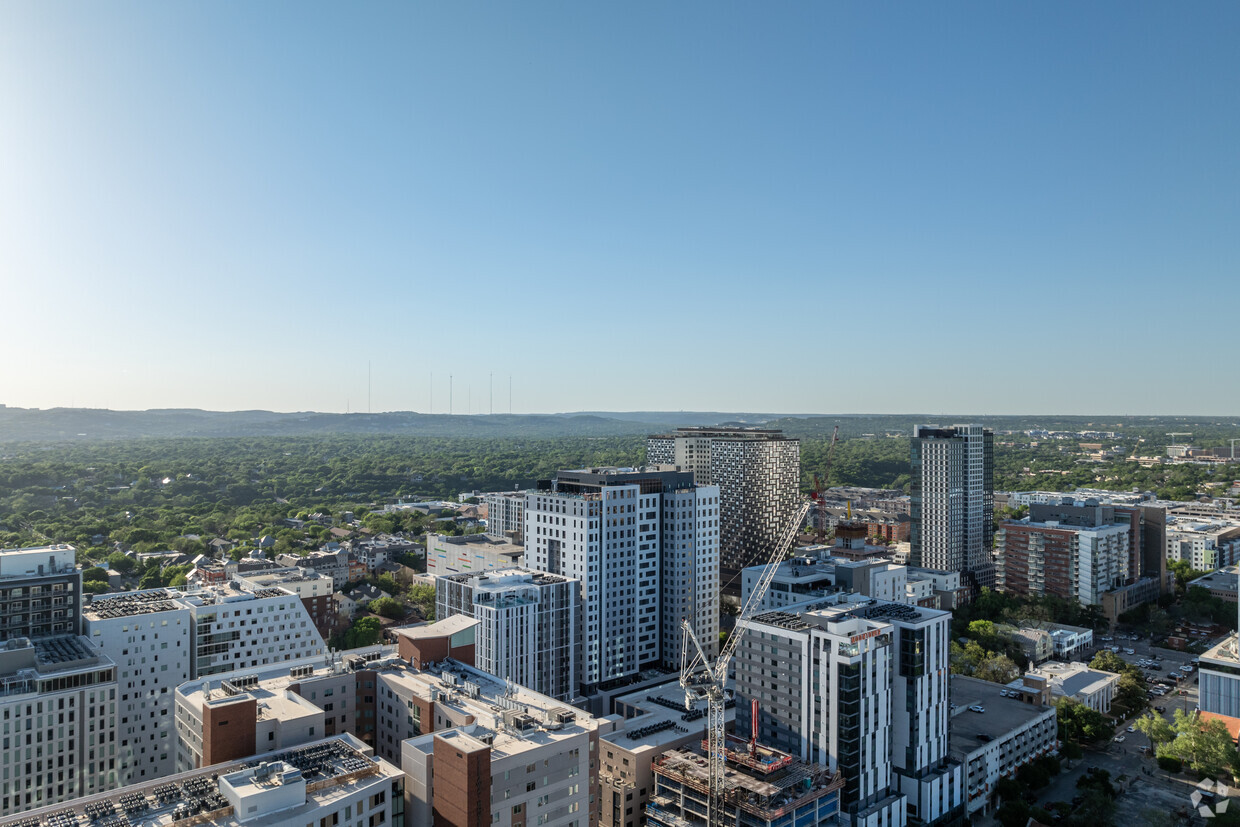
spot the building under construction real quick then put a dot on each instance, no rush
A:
(763, 787)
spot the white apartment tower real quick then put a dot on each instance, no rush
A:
(860, 686)
(952, 503)
(527, 625)
(605, 528)
(149, 635)
(758, 473)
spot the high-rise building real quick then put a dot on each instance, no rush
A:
(629, 537)
(149, 635)
(952, 504)
(59, 702)
(527, 625)
(41, 591)
(860, 686)
(759, 476)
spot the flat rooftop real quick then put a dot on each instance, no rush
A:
(128, 604)
(1224, 652)
(1002, 715)
(1224, 578)
(338, 764)
(661, 718)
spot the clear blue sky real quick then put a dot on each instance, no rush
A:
(798, 207)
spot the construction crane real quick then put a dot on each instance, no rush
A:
(701, 679)
(1174, 434)
(818, 496)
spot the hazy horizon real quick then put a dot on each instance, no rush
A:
(315, 207)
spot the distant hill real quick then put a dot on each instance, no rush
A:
(83, 424)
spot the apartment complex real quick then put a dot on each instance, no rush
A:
(328, 782)
(150, 637)
(995, 743)
(506, 514)
(1079, 560)
(630, 537)
(860, 686)
(1206, 545)
(40, 591)
(952, 500)
(758, 473)
(58, 704)
(527, 625)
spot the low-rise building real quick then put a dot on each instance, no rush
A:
(1220, 584)
(1091, 687)
(994, 743)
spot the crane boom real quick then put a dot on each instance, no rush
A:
(698, 677)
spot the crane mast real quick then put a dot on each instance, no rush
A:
(699, 678)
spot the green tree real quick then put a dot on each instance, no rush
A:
(119, 562)
(1156, 728)
(1205, 746)
(423, 597)
(96, 587)
(1081, 724)
(388, 607)
(365, 631)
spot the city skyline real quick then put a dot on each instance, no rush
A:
(307, 207)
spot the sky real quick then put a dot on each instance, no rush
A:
(816, 207)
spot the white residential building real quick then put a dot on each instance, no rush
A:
(1204, 545)
(527, 625)
(860, 686)
(149, 636)
(58, 704)
(604, 527)
(505, 514)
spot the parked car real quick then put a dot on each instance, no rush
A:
(977, 708)
(1119, 739)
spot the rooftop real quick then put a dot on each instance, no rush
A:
(1074, 678)
(128, 604)
(656, 717)
(1002, 714)
(209, 796)
(440, 628)
(1224, 578)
